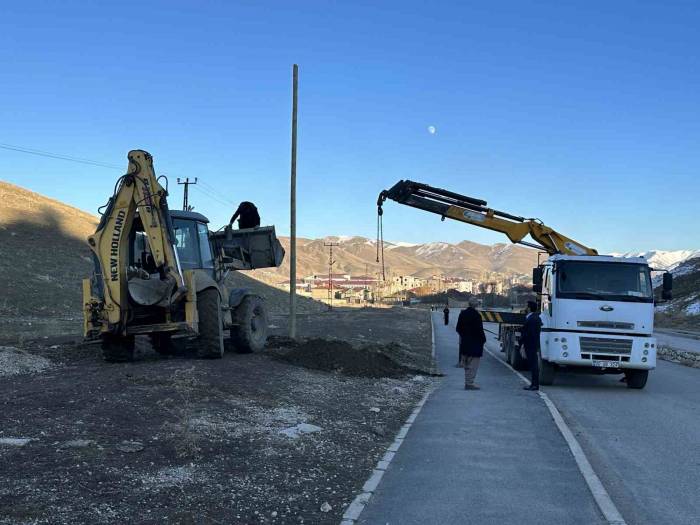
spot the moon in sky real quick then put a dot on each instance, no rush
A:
(432, 130)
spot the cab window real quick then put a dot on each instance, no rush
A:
(204, 246)
(187, 243)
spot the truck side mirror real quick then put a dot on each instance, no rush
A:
(537, 279)
(666, 289)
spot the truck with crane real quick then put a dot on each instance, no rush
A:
(162, 274)
(597, 310)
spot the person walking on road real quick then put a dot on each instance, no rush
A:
(446, 313)
(472, 338)
(530, 339)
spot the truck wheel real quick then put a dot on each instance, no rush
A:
(547, 370)
(249, 332)
(160, 341)
(118, 349)
(636, 378)
(210, 342)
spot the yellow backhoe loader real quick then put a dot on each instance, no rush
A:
(162, 273)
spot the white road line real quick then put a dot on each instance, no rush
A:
(352, 513)
(600, 495)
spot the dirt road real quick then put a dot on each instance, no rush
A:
(256, 438)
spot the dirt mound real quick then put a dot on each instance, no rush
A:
(14, 361)
(332, 355)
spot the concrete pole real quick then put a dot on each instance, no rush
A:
(293, 213)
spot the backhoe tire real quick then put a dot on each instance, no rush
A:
(161, 343)
(118, 349)
(250, 325)
(210, 342)
(636, 378)
(548, 371)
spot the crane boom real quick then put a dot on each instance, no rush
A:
(475, 211)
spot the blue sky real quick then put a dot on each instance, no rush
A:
(584, 114)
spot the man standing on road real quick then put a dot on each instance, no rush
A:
(530, 339)
(446, 313)
(470, 328)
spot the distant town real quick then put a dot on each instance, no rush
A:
(352, 290)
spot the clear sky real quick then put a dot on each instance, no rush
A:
(584, 114)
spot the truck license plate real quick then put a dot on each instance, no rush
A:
(607, 364)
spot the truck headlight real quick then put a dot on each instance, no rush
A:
(646, 352)
(565, 354)
(564, 347)
(646, 345)
(556, 339)
(644, 359)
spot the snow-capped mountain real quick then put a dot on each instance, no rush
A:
(664, 260)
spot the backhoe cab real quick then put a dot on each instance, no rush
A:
(162, 273)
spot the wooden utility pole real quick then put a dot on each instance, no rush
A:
(331, 262)
(293, 212)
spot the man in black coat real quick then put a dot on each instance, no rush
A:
(472, 338)
(446, 314)
(247, 215)
(530, 339)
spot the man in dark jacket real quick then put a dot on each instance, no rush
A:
(471, 342)
(530, 339)
(446, 314)
(247, 215)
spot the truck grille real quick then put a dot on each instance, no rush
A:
(608, 346)
(606, 324)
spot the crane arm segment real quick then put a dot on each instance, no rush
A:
(475, 211)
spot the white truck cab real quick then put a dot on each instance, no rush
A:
(597, 312)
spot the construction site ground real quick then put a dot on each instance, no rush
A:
(288, 435)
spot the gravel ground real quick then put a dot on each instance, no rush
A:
(260, 438)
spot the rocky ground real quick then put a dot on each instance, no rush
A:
(285, 436)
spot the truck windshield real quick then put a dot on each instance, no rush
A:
(604, 281)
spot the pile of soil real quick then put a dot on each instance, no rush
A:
(331, 355)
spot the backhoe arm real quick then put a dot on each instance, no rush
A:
(137, 190)
(475, 211)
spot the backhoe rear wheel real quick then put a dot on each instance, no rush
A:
(249, 332)
(210, 342)
(118, 349)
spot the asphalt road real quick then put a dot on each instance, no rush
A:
(643, 444)
(488, 456)
(677, 341)
(495, 456)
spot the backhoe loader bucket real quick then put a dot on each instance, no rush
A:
(249, 248)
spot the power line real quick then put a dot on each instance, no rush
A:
(50, 155)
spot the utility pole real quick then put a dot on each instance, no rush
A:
(293, 211)
(330, 271)
(187, 182)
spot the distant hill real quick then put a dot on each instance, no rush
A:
(43, 255)
(357, 255)
(684, 310)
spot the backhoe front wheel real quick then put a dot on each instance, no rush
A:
(249, 331)
(210, 342)
(118, 349)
